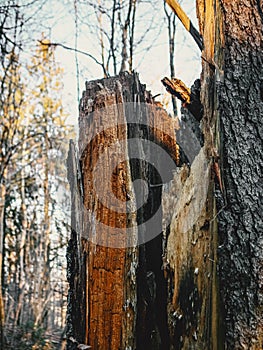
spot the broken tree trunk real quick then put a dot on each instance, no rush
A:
(198, 285)
(117, 297)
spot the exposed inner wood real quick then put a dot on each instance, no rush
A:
(177, 88)
(175, 6)
(115, 304)
(232, 32)
(196, 286)
(179, 13)
(190, 98)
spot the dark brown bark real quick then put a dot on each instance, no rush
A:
(231, 80)
(240, 223)
(231, 84)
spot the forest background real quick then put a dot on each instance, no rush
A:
(48, 50)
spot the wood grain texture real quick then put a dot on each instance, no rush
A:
(112, 276)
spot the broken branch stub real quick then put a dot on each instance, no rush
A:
(189, 97)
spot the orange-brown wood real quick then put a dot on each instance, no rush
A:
(111, 272)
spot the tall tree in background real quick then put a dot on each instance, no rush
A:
(171, 27)
(117, 44)
(120, 30)
(34, 237)
(50, 120)
(10, 102)
(36, 174)
(33, 135)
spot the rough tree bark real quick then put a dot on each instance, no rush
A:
(232, 96)
(199, 284)
(227, 311)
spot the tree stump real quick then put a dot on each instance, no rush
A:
(127, 151)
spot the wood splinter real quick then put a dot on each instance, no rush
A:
(189, 97)
(178, 89)
(177, 9)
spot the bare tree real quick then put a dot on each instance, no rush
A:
(10, 26)
(171, 26)
(28, 253)
(118, 31)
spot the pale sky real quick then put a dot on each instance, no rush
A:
(152, 66)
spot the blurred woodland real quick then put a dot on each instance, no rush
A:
(198, 284)
(34, 137)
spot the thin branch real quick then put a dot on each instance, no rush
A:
(75, 50)
(76, 45)
(132, 36)
(112, 49)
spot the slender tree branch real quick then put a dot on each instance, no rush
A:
(76, 46)
(75, 50)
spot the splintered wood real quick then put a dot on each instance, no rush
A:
(109, 233)
(175, 6)
(177, 88)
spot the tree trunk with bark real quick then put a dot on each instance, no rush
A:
(225, 313)
(197, 283)
(232, 81)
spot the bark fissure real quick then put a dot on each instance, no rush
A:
(240, 111)
(237, 60)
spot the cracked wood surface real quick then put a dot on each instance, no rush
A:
(211, 253)
(108, 276)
